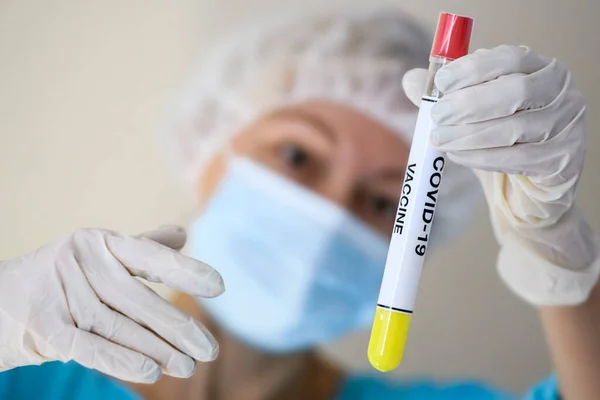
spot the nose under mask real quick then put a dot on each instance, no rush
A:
(299, 270)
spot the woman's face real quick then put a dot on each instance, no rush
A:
(337, 152)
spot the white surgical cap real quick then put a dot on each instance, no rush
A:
(352, 58)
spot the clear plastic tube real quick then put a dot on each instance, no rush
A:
(435, 64)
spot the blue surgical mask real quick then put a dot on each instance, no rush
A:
(299, 270)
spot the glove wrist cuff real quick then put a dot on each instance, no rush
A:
(540, 282)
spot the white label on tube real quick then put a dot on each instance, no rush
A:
(412, 226)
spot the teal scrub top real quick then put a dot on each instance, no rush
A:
(58, 381)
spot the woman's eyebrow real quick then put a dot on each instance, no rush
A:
(314, 121)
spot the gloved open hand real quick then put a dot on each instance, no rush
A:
(518, 120)
(78, 299)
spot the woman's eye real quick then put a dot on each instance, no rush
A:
(382, 207)
(295, 156)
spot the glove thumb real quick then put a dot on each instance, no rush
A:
(413, 83)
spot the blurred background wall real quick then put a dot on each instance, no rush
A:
(83, 85)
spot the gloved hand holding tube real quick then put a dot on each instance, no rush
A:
(78, 299)
(517, 119)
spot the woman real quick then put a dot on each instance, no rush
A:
(295, 137)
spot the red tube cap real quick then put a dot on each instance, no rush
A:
(452, 37)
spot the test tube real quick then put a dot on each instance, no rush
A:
(418, 199)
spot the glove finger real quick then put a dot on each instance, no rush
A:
(119, 329)
(141, 304)
(501, 97)
(172, 236)
(485, 65)
(523, 127)
(156, 263)
(414, 82)
(528, 159)
(112, 359)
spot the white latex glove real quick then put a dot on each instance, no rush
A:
(78, 299)
(518, 120)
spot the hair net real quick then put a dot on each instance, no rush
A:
(353, 58)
